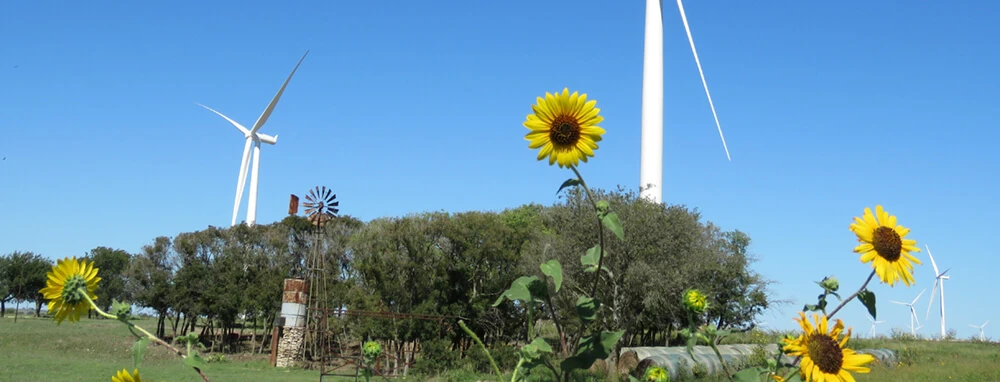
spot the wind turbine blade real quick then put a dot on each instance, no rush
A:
(897, 302)
(984, 324)
(942, 273)
(243, 178)
(274, 102)
(694, 51)
(932, 260)
(931, 303)
(918, 297)
(238, 126)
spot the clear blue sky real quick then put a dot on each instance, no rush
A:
(417, 106)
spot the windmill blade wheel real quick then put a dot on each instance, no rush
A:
(321, 205)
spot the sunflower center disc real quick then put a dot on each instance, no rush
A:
(72, 290)
(565, 131)
(887, 243)
(825, 352)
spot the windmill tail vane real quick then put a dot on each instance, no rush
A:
(293, 205)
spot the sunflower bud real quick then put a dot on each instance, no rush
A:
(371, 351)
(695, 302)
(122, 310)
(656, 374)
(830, 284)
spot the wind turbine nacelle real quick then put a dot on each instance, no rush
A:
(267, 138)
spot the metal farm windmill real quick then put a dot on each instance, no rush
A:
(320, 207)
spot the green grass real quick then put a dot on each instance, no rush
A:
(93, 350)
(919, 359)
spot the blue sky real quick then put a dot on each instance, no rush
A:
(417, 106)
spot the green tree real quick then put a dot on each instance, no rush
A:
(149, 279)
(24, 275)
(112, 265)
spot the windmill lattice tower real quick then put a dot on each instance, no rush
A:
(320, 207)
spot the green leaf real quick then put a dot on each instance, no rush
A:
(752, 374)
(553, 269)
(590, 260)
(867, 298)
(632, 379)
(195, 360)
(571, 182)
(586, 308)
(542, 346)
(138, 350)
(610, 221)
(519, 289)
(530, 351)
(591, 348)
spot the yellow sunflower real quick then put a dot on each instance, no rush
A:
(884, 244)
(67, 282)
(824, 357)
(565, 127)
(124, 376)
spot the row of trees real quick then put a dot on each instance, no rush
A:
(453, 264)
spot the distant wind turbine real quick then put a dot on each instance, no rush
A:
(651, 147)
(939, 278)
(982, 334)
(253, 139)
(913, 313)
(872, 332)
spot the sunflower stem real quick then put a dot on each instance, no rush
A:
(722, 361)
(792, 372)
(496, 369)
(143, 331)
(600, 231)
(600, 257)
(852, 296)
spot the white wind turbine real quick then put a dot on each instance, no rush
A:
(913, 313)
(872, 332)
(651, 147)
(939, 278)
(982, 333)
(253, 139)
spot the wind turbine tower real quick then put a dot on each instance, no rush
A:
(651, 148)
(253, 140)
(913, 313)
(939, 278)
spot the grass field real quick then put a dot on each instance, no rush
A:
(92, 350)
